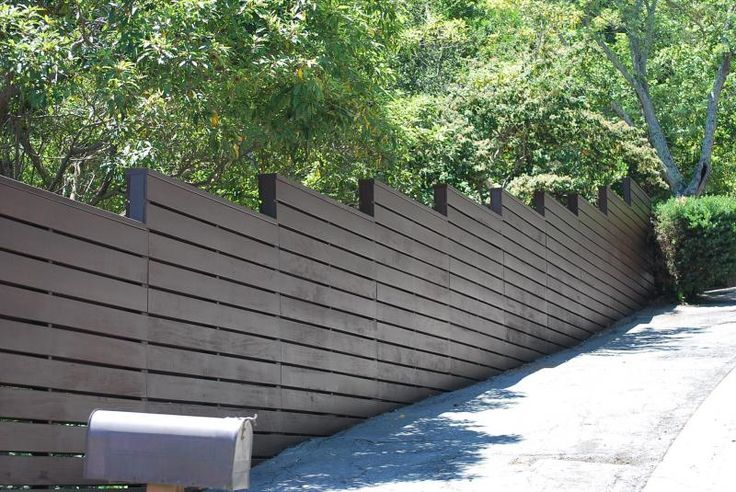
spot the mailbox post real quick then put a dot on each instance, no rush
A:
(169, 452)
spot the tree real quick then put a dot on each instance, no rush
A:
(641, 27)
(210, 91)
(514, 107)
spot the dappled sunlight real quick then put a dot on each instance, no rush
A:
(413, 444)
(649, 339)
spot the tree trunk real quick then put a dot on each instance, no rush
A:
(703, 168)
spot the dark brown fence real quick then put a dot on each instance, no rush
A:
(311, 314)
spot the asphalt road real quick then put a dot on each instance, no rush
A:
(649, 404)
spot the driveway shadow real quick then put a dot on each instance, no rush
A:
(720, 297)
(648, 339)
(414, 443)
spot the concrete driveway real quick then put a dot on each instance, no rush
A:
(648, 404)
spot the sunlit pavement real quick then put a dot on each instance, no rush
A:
(649, 403)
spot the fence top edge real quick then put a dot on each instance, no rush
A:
(323, 197)
(558, 205)
(584, 206)
(204, 194)
(61, 200)
(407, 198)
(486, 207)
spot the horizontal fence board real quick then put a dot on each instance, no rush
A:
(45, 209)
(411, 283)
(618, 258)
(411, 320)
(51, 341)
(21, 403)
(59, 248)
(522, 214)
(412, 339)
(401, 204)
(478, 307)
(71, 376)
(312, 379)
(326, 253)
(495, 335)
(389, 238)
(465, 277)
(176, 388)
(323, 316)
(429, 240)
(58, 279)
(189, 363)
(409, 301)
(206, 235)
(464, 230)
(306, 224)
(43, 438)
(325, 274)
(460, 204)
(410, 357)
(195, 284)
(569, 256)
(326, 296)
(208, 208)
(41, 404)
(476, 252)
(189, 309)
(298, 197)
(193, 257)
(204, 338)
(591, 218)
(516, 244)
(324, 359)
(401, 260)
(335, 404)
(42, 470)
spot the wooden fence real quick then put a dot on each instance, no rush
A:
(312, 314)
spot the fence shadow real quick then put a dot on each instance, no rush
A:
(719, 297)
(423, 442)
(413, 443)
(648, 339)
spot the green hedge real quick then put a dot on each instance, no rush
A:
(697, 237)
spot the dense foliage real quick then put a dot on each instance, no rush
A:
(697, 237)
(473, 93)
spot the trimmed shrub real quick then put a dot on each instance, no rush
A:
(697, 237)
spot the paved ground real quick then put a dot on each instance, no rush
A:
(646, 405)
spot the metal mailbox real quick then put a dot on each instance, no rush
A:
(178, 450)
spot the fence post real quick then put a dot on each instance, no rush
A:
(538, 202)
(626, 187)
(135, 200)
(440, 198)
(603, 199)
(267, 194)
(572, 202)
(366, 199)
(497, 200)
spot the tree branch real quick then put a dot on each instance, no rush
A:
(621, 112)
(615, 61)
(25, 142)
(703, 168)
(104, 191)
(649, 33)
(656, 135)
